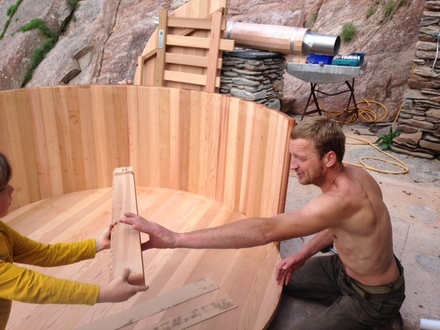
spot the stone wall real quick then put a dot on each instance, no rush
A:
(420, 116)
(254, 76)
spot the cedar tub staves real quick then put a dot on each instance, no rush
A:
(64, 143)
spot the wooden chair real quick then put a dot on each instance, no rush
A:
(67, 139)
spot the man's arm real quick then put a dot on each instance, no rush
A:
(241, 234)
(323, 212)
(319, 242)
(295, 261)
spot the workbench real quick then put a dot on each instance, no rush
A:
(317, 74)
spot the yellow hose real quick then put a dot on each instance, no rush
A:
(364, 112)
(369, 115)
(398, 162)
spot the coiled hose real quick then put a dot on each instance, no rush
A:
(366, 113)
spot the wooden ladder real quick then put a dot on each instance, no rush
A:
(188, 53)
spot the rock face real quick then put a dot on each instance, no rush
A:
(99, 41)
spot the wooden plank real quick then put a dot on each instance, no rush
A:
(189, 78)
(192, 23)
(189, 23)
(154, 305)
(198, 42)
(192, 60)
(214, 51)
(126, 243)
(161, 48)
(197, 315)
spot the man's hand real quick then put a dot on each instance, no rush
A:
(287, 266)
(119, 289)
(103, 240)
(160, 237)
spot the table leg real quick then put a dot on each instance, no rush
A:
(315, 100)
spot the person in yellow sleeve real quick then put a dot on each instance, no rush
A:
(21, 284)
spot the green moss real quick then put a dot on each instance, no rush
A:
(371, 11)
(388, 9)
(349, 31)
(10, 13)
(73, 3)
(45, 48)
(311, 21)
(38, 24)
(401, 3)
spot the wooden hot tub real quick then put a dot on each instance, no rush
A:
(200, 159)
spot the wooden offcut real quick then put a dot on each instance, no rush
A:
(197, 315)
(154, 305)
(125, 244)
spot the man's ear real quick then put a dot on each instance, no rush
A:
(330, 159)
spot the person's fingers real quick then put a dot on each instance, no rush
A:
(140, 288)
(126, 273)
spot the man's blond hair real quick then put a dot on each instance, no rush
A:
(324, 132)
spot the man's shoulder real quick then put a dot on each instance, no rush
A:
(357, 173)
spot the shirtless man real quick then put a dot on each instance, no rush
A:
(363, 284)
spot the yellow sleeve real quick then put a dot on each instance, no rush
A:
(27, 251)
(21, 284)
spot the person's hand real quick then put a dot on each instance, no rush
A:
(103, 241)
(119, 289)
(286, 268)
(160, 237)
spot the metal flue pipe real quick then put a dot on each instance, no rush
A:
(282, 39)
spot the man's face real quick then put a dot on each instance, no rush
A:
(306, 161)
(5, 199)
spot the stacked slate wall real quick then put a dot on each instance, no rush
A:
(254, 76)
(420, 116)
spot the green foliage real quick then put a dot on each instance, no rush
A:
(349, 31)
(73, 3)
(388, 9)
(38, 24)
(401, 3)
(45, 48)
(311, 21)
(392, 5)
(371, 11)
(385, 141)
(38, 57)
(10, 13)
